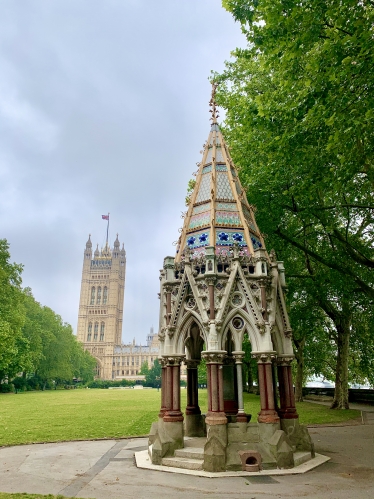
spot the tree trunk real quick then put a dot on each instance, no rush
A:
(250, 379)
(299, 355)
(341, 377)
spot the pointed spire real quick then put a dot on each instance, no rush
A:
(218, 214)
(89, 243)
(116, 243)
(97, 252)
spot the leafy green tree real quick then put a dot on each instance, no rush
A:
(300, 126)
(153, 377)
(202, 372)
(249, 366)
(12, 315)
(144, 370)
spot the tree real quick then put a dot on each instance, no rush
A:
(305, 83)
(300, 125)
(202, 372)
(153, 377)
(12, 314)
(144, 370)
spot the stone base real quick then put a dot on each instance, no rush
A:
(281, 445)
(298, 435)
(164, 439)
(215, 448)
(194, 425)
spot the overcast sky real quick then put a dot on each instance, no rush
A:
(103, 108)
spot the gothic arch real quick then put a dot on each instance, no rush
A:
(249, 326)
(184, 329)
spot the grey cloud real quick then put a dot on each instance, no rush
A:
(103, 107)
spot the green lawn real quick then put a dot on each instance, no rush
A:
(88, 414)
(23, 495)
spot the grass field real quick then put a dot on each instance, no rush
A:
(5, 495)
(88, 414)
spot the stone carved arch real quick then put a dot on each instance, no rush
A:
(249, 326)
(184, 329)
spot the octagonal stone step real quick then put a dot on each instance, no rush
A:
(190, 453)
(301, 457)
(181, 462)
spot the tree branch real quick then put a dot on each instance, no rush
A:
(343, 270)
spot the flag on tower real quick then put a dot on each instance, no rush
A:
(105, 217)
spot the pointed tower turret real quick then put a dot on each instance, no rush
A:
(220, 292)
(88, 250)
(97, 252)
(116, 248)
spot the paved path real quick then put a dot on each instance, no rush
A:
(105, 470)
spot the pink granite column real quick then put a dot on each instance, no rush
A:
(287, 408)
(216, 412)
(173, 412)
(163, 363)
(268, 414)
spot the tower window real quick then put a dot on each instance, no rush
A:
(96, 330)
(98, 300)
(89, 335)
(102, 328)
(92, 296)
(105, 295)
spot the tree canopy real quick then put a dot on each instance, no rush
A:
(299, 121)
(34, 339)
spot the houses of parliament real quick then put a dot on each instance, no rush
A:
(100, 316)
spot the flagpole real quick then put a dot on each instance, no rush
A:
(107, 231)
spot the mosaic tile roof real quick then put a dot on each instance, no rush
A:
(218, 214)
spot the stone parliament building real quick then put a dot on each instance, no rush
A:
(100, 316)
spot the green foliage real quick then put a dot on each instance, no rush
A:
(298, 106)
(144, 370)
(202, 373)
(12, 316)
(33, 338)
(104, 383)
(153, 376)
(190, 188)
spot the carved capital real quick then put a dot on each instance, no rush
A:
(168, 288)
(163, 361)
(264, 357)
(238, 356)
(285, 360)
(191, 363)
(174, 360)
(214, 357)
(210, 280)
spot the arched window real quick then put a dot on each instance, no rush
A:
(102, 328)
(96, 330)
(89, 335)
(98, 300)
(92, 296)
(105, 295)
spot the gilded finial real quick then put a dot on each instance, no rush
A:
(212, 104)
